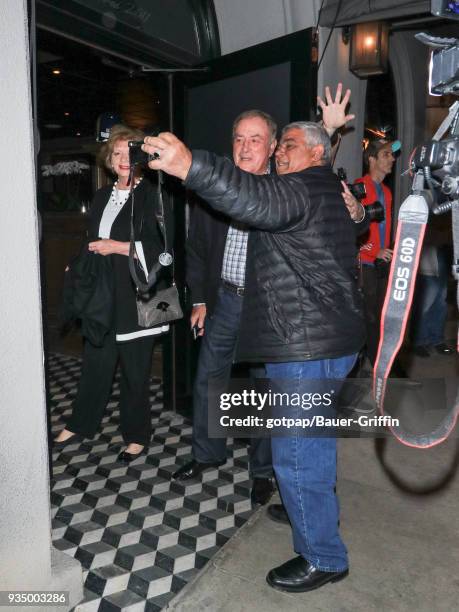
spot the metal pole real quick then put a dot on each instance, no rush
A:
(170, 90)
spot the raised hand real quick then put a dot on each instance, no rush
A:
(334, 111)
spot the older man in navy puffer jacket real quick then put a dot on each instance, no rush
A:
(302, 315)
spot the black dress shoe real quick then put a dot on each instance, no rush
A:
(277, 513)
(444, 349)
(193, 469)
(262, 490)
(299, 576)
(126, 457)
(72, 440)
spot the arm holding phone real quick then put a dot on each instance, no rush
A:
(197, 318)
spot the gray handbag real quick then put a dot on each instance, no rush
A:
(154, 307)
(162, 307)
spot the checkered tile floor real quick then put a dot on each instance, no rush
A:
(139, 535)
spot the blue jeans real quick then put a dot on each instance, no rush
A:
(305, 467)
(215, 361)
(430, 308)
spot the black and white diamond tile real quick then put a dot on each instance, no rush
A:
(139, 535)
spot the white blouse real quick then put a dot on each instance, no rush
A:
(118, 199)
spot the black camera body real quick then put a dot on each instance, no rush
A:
(441, 159)
(357, 189)
(137, 157)
(438, 159)
(374, 211)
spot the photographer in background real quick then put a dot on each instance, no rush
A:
(375, 254)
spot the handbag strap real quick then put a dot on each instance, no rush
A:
(160, 217)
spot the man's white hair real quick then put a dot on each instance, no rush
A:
(314, 134)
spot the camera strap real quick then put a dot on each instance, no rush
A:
(411, 228)
(165, 259)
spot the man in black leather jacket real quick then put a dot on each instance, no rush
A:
(302, 315)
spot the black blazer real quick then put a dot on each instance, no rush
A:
(204, 253)
(146, 231)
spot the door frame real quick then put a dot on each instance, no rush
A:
(300, 50)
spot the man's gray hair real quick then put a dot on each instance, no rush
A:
(314, 134)
(249, 114)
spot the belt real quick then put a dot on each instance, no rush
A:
(233, 288)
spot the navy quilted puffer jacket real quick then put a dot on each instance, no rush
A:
(301, 297)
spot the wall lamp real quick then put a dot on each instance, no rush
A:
(369, 48)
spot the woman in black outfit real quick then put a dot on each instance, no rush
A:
(109, 229)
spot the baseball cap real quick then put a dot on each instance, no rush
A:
(104, 124)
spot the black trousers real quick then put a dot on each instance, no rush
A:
(99, 366)
(374, 285)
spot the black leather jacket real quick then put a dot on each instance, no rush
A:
(301, 297)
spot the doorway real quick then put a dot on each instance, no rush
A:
(381, 114)
(77, 87)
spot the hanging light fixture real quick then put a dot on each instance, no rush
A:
(369, 48)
